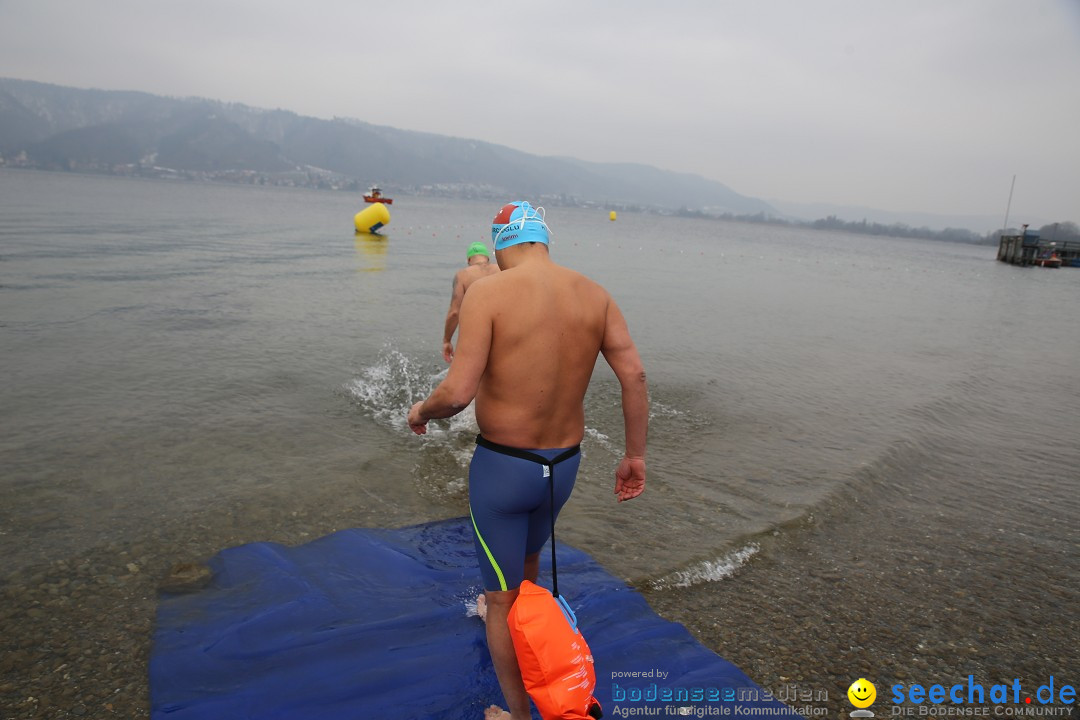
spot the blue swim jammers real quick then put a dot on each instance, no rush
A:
(510, 505)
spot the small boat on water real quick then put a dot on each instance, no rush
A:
(375, 195)
(1052, 261)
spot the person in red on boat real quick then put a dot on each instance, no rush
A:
(479, 265)
(529, 339)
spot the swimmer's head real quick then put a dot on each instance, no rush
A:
(477, 248)
(518, 222)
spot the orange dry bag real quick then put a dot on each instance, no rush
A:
(556, 663)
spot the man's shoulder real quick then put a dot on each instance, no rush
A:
(583, 280)
(465, 276)
(475, 271)
(486, 279)
(482, 284)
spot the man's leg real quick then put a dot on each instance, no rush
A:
(532, 566)
(501, 647)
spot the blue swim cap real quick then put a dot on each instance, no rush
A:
(518, 222)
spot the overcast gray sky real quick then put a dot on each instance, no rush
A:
(920, 105)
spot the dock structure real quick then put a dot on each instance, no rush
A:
(1028, 248)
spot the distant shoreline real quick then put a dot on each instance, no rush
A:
(315, 179)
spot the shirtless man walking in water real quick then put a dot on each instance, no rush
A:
(529, 338)
(479, 265)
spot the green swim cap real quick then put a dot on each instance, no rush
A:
(477, 248)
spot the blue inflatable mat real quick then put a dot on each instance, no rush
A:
(372, 623)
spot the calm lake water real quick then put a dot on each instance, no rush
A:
(170, 347)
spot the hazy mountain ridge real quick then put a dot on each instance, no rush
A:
(58, 127)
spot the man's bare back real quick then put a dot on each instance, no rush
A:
(479, 267)
(467, 276)
(529, 338)
(547, 328)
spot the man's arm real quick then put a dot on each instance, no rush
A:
(452, 318)
(622, 355)
(462, 380)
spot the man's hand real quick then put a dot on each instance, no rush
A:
(448, 351)
(629, 478)
(416, 423)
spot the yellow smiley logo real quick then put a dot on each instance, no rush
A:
(862, 693)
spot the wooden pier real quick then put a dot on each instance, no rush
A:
(1028, 248)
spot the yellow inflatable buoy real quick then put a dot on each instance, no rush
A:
(612, 214)
(370, 219)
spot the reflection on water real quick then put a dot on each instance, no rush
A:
(371, 251)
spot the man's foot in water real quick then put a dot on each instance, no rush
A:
(494, 712)
(481, 609)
